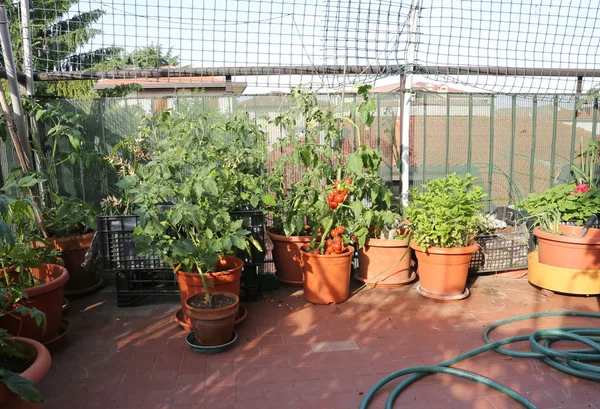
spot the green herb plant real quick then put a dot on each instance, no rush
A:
(447, 213)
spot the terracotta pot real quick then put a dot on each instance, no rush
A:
(229, 280)
(41, 362)
(286, 256)
(567, 250)
(443, 271)
(213, 327)
(326, 278)
(73, 251)
(46, 297)
(384, 263)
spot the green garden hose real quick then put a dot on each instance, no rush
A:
(567, 361)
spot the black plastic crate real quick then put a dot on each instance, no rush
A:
(254, 221)
(117, 249)
(500, 252)
(132, 286)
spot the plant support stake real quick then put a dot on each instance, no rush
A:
(13, 85)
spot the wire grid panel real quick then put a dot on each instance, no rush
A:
(545, 36)
(119, 34)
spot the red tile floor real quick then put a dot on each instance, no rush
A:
(136, 357)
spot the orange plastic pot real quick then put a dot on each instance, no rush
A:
(286, 256)
(73, 250)
(568, 250)
(41, 362)
(443, 271)
(228, 280)
(384, 263)
(213, 327)
(46, 297)
(326, 278)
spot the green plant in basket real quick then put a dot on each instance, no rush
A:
(447, 213)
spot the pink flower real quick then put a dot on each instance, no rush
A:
(582, 188)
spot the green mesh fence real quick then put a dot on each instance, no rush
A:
(514, 144)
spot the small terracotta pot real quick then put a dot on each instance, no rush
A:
(73, 251)
(41, 362)
(46, 297)
(191, 283)
(443, 271)
(326, 278)
(384, 263)
(286, 256)
(213, 327)
(567, 250)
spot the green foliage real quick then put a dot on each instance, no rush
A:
(204, 167)
(448, 213)
(560, 204)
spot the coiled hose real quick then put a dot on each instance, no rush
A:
(572, 362)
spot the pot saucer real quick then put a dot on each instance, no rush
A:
(438, 297)
(57, 341)
(85, 291)
(190, 339)
(239, 318)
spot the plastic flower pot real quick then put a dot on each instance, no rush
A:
(384, 263)
(568, 250)
(326, 277)
(213, 326)
(286, 256)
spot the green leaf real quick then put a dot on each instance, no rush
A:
(355, 164)
(211, 187)
(21, 386)
(126, 182)
(269, 200)
(357, 208)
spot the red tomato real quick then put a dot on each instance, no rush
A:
(341, 230)
(337, 247)
(339, 198)
(335, 192)
(328, 252)
(315, 252)
(333, 205)
(337, 239)
(333, 233)
(344, 192)
(330, 197)
(348, 181)
(329, 243)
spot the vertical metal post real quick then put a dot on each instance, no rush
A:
(533, 142)
(447, 133)
(424, 137)
(406, 106)
(26, 38)
(513, 131)
(594, 119)
(470, 142)
(574, 130)
(554, 135)
(15, 95)
(491, 157)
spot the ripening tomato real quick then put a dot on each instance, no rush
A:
(341, 229)
(344, 192)
(348, 181)
(335, 183)
(337, 247)
(329, 243)
(330, 197)
(335, 192)
(339, 198)
(337, 239)
(315, 251)
(333, 233)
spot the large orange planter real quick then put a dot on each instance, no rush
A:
(213, 327)
(567, 250)
(73, 250)
(443, 271)
(46, 297)
(41, 362)
(227, 280)
(326, 278)
(286, 256)
(384, 263)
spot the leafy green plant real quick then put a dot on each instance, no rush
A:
(447, 213)
(204, 168)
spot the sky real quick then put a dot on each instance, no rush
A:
(238, 33)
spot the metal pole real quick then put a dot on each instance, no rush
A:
(13, 85)
(26, 38)
(406, 105)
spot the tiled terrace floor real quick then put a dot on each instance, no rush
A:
(136, 357)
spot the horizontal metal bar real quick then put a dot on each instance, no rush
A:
(513, 71)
